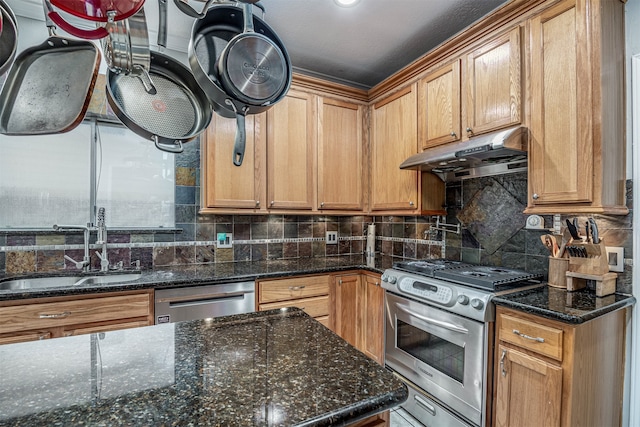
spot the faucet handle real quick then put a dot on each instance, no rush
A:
(136, 264)
(79, 264)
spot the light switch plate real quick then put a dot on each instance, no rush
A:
(615, 256)
(331, 238)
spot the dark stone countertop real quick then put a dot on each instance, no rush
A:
(194, 275)
(559, 304)
(273, 368)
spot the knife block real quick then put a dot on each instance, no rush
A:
(596, 262)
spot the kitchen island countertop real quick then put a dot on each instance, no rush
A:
(274, 368)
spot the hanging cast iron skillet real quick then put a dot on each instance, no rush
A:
(209, 37)
(8, 37)
(175, 114)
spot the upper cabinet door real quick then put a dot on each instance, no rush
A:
(439, 106)
(226, 185)
(394, 138)
(561, 150)
(291, 152)
(340, 155)
(494, 89)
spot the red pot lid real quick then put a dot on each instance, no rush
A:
(98, 10)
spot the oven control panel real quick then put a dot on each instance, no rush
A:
(428, 291)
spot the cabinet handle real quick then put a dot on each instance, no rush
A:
(410, 203)
(520, 334)
(296, 288)
(44, 336)
(453, 134)
(535, 196)
(377, 283)
(56, 315)
(469, 130)
(504, 371)
(339, 281)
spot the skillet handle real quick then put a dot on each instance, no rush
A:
(188, 10)
(96, 34)
(169, 148)
(241, 139)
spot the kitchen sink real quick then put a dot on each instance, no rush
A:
(66, 281)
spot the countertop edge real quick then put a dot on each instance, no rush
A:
(565, 317)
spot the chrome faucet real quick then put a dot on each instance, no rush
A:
(85, 264)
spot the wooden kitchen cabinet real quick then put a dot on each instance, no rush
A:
(42, 318)
(493, 86)
(309, 293)
(556, 374)
(291, 152)
(439, 106)
(357, 302)
(394, 133)
(577, 149)
(224, 184)
(340, 155)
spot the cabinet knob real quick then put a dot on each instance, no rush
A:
(377, 283)
(272, 202)
(322, 204)
(257, 202)
(469, 130)
(535, 196)
(410, 203)
(339, 281)
(453, 134)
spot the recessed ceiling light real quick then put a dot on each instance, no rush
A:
(346, 3)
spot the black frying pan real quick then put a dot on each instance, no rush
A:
(209, 37)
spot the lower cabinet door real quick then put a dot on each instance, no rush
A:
(529, 390)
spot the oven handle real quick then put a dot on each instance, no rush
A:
(446, 325)
(425, 405)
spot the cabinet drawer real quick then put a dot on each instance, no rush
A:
(293, 288)
(75, 312)
(25, 336)
(314, 307)
(532, 336)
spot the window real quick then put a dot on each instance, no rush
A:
(46, 180)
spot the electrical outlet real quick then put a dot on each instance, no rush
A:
(224, 240)
(615, 256)
(331, 238)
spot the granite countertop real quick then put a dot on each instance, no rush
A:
(273, 368)
(559, 304)
(194, 275)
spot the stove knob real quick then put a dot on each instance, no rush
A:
(463, 299)
(477, 304)
(384, 278)
(393, 280)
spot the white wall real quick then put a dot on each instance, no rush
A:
(632, 31)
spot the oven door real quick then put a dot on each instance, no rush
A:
(439, 351)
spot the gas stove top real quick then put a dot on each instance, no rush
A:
(477, 276)
(461, 288)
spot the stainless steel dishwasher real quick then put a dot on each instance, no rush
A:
(202, 302)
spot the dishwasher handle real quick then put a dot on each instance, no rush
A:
(192, 300)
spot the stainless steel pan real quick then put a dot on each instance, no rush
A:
(49, 87)
(209, 36)
(252, 67)
(176, 114)
(8, 37)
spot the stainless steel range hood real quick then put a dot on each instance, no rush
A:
(495, 153)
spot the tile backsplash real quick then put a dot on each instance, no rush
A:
(493, 233)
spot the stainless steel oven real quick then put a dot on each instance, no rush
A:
(439, 336)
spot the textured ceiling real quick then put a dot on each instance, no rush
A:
(359, 46)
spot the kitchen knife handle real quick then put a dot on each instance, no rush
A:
(595, 235)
